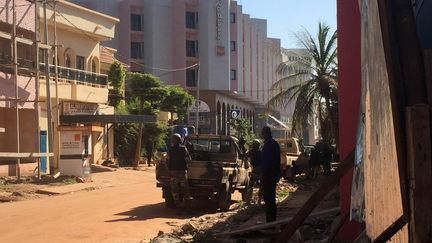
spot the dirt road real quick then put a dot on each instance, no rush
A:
(131, 210)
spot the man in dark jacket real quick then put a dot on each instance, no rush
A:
(178, 158)
(270, 165)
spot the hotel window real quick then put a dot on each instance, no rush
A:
(191, 20)
(80, 63)
(191, 77)
(233, 74)
(191, 48)
(233, 46)
(232, 18)
(137, 22)
(137, 50)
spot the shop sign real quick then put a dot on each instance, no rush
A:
(77, 108)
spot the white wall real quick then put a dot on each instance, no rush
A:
(158, 36)
(215, 70)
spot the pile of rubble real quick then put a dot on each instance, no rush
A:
(246, 223)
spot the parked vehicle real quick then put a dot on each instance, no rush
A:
(216, 170)
(294, 159)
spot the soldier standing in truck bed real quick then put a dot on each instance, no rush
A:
(178, 157)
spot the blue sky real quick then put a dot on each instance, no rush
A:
(285, 17)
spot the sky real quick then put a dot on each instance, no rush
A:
(285, 17)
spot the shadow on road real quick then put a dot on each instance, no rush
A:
(100, 169)
(160, 210)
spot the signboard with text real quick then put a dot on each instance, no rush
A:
(71, 143)
(77, 108)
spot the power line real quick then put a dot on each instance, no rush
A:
(148, 66)
(126, 58)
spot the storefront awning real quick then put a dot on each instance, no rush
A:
(108, 119)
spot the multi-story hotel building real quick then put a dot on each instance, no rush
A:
(299, 60)
(237, 61)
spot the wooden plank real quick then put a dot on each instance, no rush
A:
(384, 157)
(280, 222)
(316, 198)
(392, 230)
(13, 162)
(420, 172)
(24, 155)
(8, 36)
(398, 96)
(336, 226)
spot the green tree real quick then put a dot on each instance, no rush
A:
(317, 91)
(147, 94)
(116, 79)
(243, 127)
(125, 137)
(177, 101)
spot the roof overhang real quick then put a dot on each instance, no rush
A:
(108, 119)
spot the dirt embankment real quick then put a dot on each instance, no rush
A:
(291, 196)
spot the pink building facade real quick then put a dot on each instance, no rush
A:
(25, 27)
(237, 60)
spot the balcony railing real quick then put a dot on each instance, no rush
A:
(78, 76)
(65, 73)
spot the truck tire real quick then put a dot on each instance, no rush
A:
(224, 197)
(169, 200)
(289, 173)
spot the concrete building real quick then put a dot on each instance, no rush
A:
(237, 61)
(82, 89)
(296, 59)
(24, 82)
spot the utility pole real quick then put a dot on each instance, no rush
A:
(57, 103)
(197, 101)
(37, 73)
(15, 67)
(48, 79)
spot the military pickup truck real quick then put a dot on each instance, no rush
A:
(216, 170)
(294, 159)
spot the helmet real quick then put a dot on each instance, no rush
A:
(255, 144)
(176, 138)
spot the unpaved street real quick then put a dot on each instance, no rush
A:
(130, 210)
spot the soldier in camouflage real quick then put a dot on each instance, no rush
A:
(178, 158)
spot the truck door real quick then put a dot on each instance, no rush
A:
(241, 166)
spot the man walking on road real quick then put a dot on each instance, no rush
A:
(270, 164)
(178, 157)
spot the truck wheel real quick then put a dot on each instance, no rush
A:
(289, 173)
(224, 197)
(169, 200)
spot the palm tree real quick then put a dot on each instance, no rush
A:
(312, 83)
